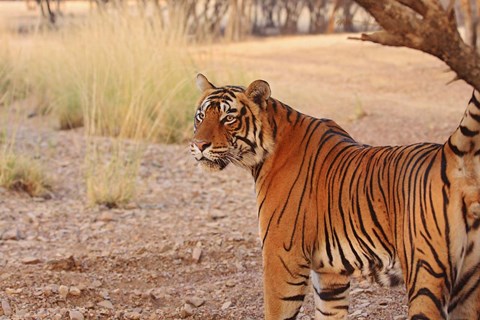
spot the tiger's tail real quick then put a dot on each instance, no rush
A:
(465, 144)
(466, 139)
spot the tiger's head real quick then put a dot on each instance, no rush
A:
(231, 125)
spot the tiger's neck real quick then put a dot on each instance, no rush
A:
(283, 122)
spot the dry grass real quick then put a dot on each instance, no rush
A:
(127, 74)
(111, 177)
(120, 75)
(21, 173)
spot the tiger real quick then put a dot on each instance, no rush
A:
(331, 208)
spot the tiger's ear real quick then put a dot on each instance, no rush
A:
(203, 84)
(258, 91)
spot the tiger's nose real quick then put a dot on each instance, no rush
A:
(202, 145)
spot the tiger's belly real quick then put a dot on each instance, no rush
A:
(377, 266)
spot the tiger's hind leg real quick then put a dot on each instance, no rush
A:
(331, 295)
(286, 282)
(465, 302)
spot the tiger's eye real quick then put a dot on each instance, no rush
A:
(229, 118)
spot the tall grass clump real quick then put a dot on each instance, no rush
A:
(112, 175)
(18, 172)
(22, 173)
(129, 74)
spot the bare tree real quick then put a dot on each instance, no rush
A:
(46, 10)
(318, 12)
(427, 26)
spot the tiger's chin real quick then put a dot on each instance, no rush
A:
(212, 166)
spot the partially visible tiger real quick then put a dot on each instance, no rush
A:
(330, 208)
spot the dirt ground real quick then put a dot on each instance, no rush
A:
(188, 246)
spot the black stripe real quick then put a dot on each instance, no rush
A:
(333, 295)
(455, 149)
(299, 297)
(427, 293)
(294, 316)
(474, 100)
(476, 117)
(467, 132)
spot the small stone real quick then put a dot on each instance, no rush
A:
(226, 305)
(197, 254)
(106, 216)
(106, 304)
(63, 291)
(96, 284)
(230, 284)
(133, 315)
(355, 313)
(74, 291)
(104, 294)
(186, 311)
(65, 264)
(11, 234)
(195, 301)
(11, 291)
(7, 310)
(357, 290)
(76, 315)
(30, 260)
(21, 313)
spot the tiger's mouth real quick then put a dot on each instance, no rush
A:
(213, 165)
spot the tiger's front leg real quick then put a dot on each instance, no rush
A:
(331, 295)
(286, 280)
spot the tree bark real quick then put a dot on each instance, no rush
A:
(426, 26)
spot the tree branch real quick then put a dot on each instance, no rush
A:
(426, 26)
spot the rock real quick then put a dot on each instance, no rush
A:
(76, 315)
(65, 264)
(133, 315)
(74, 291)
(195, 301)
(106, 216)
(30, 260)
(63, 291)
(197, 254)
(7, 310)
(357, 290)
(226, 305)
(11, 291)
(21, 313)
(230, 284)
(105, 304)
(11, 234)
(96, 284)
(104, 294)
(186, 311)
(355, 313)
